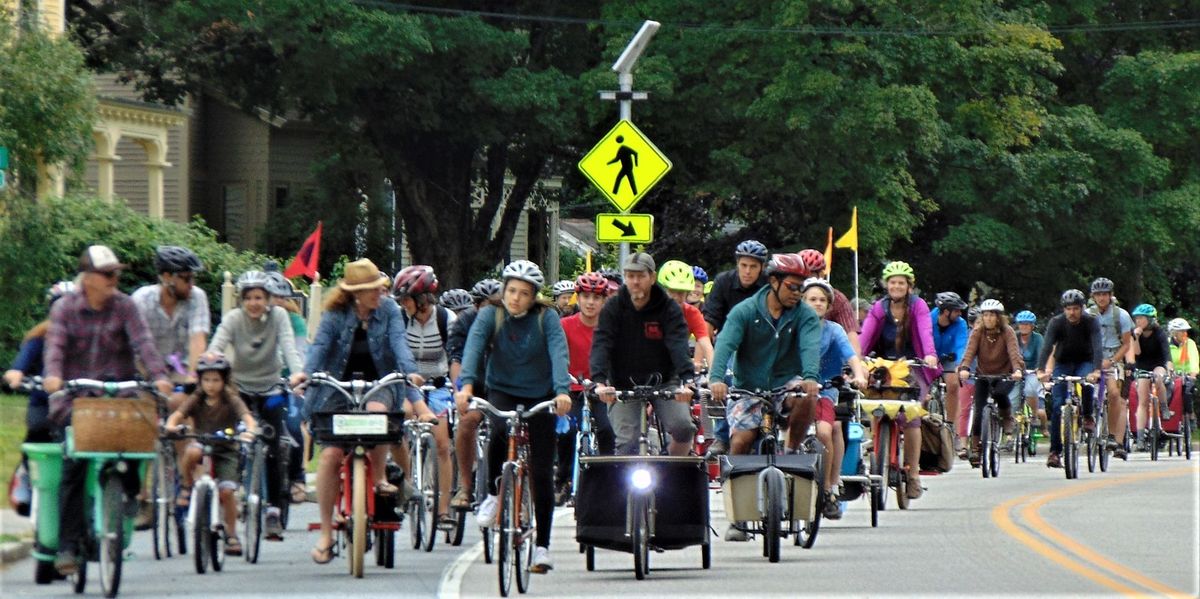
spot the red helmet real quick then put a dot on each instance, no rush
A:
(782, 265)
(415, 280)
(813, 260)
(591, 282)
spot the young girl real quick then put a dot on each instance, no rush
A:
(214, 406)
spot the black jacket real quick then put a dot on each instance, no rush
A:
(727, 292)
(630, 345)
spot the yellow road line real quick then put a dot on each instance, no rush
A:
(1001, 517)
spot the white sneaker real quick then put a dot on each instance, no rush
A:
(485, 516)
(541, 561)
(736, 536)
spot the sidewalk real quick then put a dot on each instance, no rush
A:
(18, 526)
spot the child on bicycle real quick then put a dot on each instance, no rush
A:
(214, 406)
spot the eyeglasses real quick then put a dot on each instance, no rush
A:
(112, 274)
(186, 276)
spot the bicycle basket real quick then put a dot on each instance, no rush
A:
(116, 425)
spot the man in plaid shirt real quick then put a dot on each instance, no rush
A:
(93, 334)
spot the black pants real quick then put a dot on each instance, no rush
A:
(72, 524)
(275, 416)
(999, 390)
(541, 457)
(606, 441)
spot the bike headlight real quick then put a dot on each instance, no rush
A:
(641, 479)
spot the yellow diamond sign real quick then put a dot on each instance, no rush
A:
(624, 228)
(624, 165)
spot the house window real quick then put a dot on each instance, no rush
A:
(281, 196)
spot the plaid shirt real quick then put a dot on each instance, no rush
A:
(171, 333)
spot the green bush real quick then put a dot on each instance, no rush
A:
(42, 242)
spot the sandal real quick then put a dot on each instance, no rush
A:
(323, 555)
(233, 546)
(386, 488)
(299, 492)
(184, 497)
(446, 522)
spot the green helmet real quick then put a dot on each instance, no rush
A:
(676, 276)
(899, 269)
(1145, 310)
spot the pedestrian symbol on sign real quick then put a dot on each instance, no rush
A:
(624, 166)
(628, 159)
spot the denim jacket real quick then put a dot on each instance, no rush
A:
(330, 350)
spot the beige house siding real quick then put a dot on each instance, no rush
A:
(294, 149)
(236, 157)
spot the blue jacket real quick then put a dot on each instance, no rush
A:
(768, 354)
(952, 340)
(527, 358)
(330, 350)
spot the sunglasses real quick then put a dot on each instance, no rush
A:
(185, 276)
(112, 274)
(794, 287)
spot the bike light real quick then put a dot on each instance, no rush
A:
(641, 479)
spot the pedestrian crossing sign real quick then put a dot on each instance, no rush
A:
(624, 165)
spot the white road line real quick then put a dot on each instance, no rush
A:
(451, 585)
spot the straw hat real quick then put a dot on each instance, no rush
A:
(361, 274)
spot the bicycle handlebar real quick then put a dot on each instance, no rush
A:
(479, 403)
(367, 389)
(106, 387)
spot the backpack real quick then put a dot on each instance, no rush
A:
(937, 444)
(443, 317)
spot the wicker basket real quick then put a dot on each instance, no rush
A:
(117, 425)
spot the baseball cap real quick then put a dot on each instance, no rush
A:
(640, 261)
(99, 258)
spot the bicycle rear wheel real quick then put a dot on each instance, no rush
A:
(358, 543)
(112, 535)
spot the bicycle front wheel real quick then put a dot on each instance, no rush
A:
(430, 490)
(504, 541)
(252, 513)
(987, 452)
(358, 548)
(773, 522)
(524, 525)
(112, 535)
(162, 486)
(880, 462)
(639, 536)
(201, 539)
(1070, 457)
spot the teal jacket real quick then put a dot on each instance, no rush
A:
(525, 358)
(769, 354)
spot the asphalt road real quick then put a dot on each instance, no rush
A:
(1030, 532)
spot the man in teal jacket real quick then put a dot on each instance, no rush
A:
(777, 339)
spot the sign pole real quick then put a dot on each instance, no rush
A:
(625, 93)
(624, 69)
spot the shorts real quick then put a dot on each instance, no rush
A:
(225, 460)
(439, 401)
(746, 414)
(825, 404)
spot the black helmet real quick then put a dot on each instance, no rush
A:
(1072, 297)
(751, 249)
(972, 315)
(485, 289)
(1102, 285)
(948, 300)
(172, 258)
(213, 361)
(613, 275)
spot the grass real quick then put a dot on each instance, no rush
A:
(12, 432)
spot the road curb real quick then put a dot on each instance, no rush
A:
(15, 551)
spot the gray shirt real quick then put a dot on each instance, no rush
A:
(171, 333)
(1110, 335)
(257, 346)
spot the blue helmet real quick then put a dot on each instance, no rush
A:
(1025, 316)
(751, 249)
(700, 275)
(1145, 310)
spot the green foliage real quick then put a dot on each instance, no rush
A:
(43, 243)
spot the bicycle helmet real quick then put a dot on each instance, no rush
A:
(972, 315)
(1145, 310)
(948, 300)
(819, 282)
(484, 289)
(172, 259)
(591, 282)
(524, 270)
(457, 300)
(1072, 297)
(613, 275)
(59, 289)
(813, 260)
(901, 269)
(252, 279)
(1025, 317)
(1102, 285)
(415, 280)
(562, 288)
(278, 285)
(1178, 324)
(676, 276)
(213, 361)
(751, 249)
(991, 305)
(699, 274)
(783, 265)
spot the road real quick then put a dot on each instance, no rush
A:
(1130, 531)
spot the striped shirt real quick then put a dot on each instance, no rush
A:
(426, 344)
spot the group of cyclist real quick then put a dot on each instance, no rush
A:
(770, 323)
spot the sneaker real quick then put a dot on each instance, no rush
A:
(735, 535)
(718, 447)
(145, 516)
(833, 508)
(1053, 461)
(541, 561)
(273, 526)
(485, 516)
(66, 562)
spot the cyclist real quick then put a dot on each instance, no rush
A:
(1073, 338)
(1186, 359)
(456, 300)
(361, 334)
(1152, 353)
(528, 364)
(281, 291)
(93, 334)
(214, 406)
(995, 345)
(728, 290)
(1030, 343)
(679, 280)
(841, 310)
(696, 296)
(426, 329)
(898, 327)
(1115, 339)
(950, 340)
(591, 290)
(641, 335)
(258, 339)
(562, 292)
(466, 432)
(836, 353)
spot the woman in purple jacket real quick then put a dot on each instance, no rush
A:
(898, 327)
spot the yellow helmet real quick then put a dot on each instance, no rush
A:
(676, 276)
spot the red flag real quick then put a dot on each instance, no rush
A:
(305, 262)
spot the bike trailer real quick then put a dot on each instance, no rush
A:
(1172, 425)
(739, 474)
(680, 501)
(45, 475)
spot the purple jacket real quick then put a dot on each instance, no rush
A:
(922, 333)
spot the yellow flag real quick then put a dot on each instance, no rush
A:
(828, 254)
(589, 262)
(850, 239)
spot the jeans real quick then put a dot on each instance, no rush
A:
(1059, 397)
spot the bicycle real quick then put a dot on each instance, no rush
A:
(164, 489)
(255, 492)
(855, 478)
(1096, 440)
(482, 477)
(351, 425)
(270, 407)
(1069, 429)
(990, 428)
(887, 434)
(423, 505)
(1154, 432)
(514, 549)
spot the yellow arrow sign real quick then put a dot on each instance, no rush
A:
(619, 228)
(624, 165)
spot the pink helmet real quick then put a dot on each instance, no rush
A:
(813, 260)
(592, 282)
(415, 280)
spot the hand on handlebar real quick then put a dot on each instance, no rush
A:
(52, 384)
(164, 386)
(963, 375)
(13, 378)
(606, 393)
(297, 379)
(931, 361)
(810, 388)
(416, 380)
(1093, 376)
(1018, 374)
(683, 394)
(719, 391)
(562, 404)
(462, 399)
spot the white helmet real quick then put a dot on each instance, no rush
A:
(819, 282)
(991, 305)
(563, 288)
(1178, 324)
(524, 270)
(253, 279)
